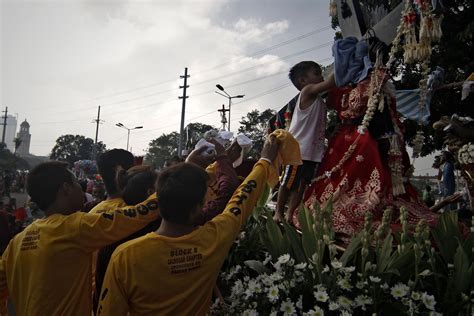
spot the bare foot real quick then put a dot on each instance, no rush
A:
(277, 217)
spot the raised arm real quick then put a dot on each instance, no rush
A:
(98, 230)
(227, 182)
(228, 224)
(311, 91)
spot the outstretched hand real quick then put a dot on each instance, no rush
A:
(202, 157)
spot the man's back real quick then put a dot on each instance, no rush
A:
(48, 273)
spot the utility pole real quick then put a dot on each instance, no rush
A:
(184, 97)
(223, 116)
(4, 126)
(97, 121)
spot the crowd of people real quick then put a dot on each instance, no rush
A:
(139, 242)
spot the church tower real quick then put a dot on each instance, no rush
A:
(25, 137)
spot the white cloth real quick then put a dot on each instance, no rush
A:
(245, 143)
(308, 127)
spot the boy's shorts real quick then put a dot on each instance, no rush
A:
(293, 175)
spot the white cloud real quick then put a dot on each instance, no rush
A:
(59, 56)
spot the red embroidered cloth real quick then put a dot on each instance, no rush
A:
(363, 182)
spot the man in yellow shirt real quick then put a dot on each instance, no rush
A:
(46, 269)
(107, 164)
(173, 270)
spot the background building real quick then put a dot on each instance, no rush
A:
(10, 132)
(25, 137)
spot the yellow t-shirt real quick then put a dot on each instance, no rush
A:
(158, 275)
(47, 267)
(107, 205)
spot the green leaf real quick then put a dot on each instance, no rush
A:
(294, 242)
(352, 249)
(262, 201)
(447, 235)
(383, 254)
(276, 244)
(257, 266)
(403, 262)
(308, 238)
(461, 275)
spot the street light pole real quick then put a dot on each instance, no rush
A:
(229, 97)
(128, 131)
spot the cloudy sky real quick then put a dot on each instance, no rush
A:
(61, 59)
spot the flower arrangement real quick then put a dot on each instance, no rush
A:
(82, 168)
(466, 154)
(379, 272)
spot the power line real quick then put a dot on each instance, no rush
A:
(299, 37)
(278, 45)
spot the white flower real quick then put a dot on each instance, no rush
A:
(360, 285)
(374, 279)
(336, 264)
(233, 271)
(276, 276)
(428, 300)
(344, 284)
(344, 302)
(315, 312)
(284, 259)
(362, 300)
(273, 294)
(435, 314)
(326, 269)
(349, 269)
(345, 313)
(267, 280)
(384, 286)
(274, 313)
(238, 288)
(321, 296)
(399, 290)
(299, 304)
(301, 266)
(416, 296)
(287, 308)
(250, 312)
(268, 257)
(333, 306)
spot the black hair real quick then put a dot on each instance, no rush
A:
(108, 162)
(44, 181)
(428, 188)
(135, 183)
(301, 69)
(180, 189)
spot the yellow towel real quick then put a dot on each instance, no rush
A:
(288, 154)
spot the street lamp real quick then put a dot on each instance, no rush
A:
(228, 96)
(128, 130)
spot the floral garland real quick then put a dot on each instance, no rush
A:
(344, 158)
(466, 154)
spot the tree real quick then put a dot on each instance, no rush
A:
(194, 132)
(162, 148)
(255, 126)
(17, 142)
(71, 148)
(9, 161)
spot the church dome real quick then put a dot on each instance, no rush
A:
(25, 124)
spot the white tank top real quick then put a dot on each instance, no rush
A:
(308, 128)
